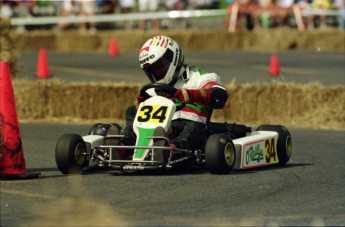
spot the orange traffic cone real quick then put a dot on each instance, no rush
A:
(12, 163)
(42, 64)
(113, 50)
(274, 66)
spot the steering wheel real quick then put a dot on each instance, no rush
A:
(160, 89)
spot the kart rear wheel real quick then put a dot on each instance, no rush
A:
(220, 154)
(284, 143)
(71, 155)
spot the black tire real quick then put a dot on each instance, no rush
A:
(92, 130)
(113, 130)
(71, 155)
(220, 154)
(284, 143)
(103, 129)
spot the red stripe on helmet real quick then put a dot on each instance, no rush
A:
(163, 42)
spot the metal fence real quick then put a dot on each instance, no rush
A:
(145, 16)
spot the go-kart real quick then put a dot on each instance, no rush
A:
(222, 152)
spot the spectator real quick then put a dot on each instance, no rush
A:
(5, 9)
(106, 6)
(319, 5)
(44, 8)
(200, 4)
(177, 22)
(175, 4)
(244, 17)
(305, 5)
(67, 8)
(340, 5)
(277, 13)
(282, 16)
(78, 7)
(264, 18)
(148, 6)
(23, 8)
(215, 4)
(87, 8)
(127, 7)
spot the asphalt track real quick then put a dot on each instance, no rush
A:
(234, 66)
(308, 191)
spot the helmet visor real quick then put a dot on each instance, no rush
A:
(158, 70)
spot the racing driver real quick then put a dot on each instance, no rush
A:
(162, 60)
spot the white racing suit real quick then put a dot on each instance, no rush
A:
(188, 124)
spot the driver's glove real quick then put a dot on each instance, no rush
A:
(201, 96)
(140, 99)
(130, 113)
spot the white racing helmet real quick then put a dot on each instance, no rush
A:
(161, 58)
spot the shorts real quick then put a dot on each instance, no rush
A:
(148, 5)
(321, 4)
(127, 3)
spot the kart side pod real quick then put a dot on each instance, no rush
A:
(268, 145)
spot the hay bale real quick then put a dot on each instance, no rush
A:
(77, 41)
(90, 100)
(7, 52)
(307, 105)
(34, 40)
(32, 98)
(191, 39)
(5, 25)
(330, 39)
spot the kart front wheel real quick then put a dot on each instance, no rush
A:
(103, 129)
(284, 143)
(220, 154)
(71, 155)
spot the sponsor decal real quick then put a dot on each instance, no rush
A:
(147, 59)
(271, 151)
(260, 153)
(153, 114)
(177, 56)
(254, 154)
(179, 160)
(129, 167)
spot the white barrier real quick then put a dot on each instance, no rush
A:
(321, 12)
(141, 16)
(117, 17)
(235, 9)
